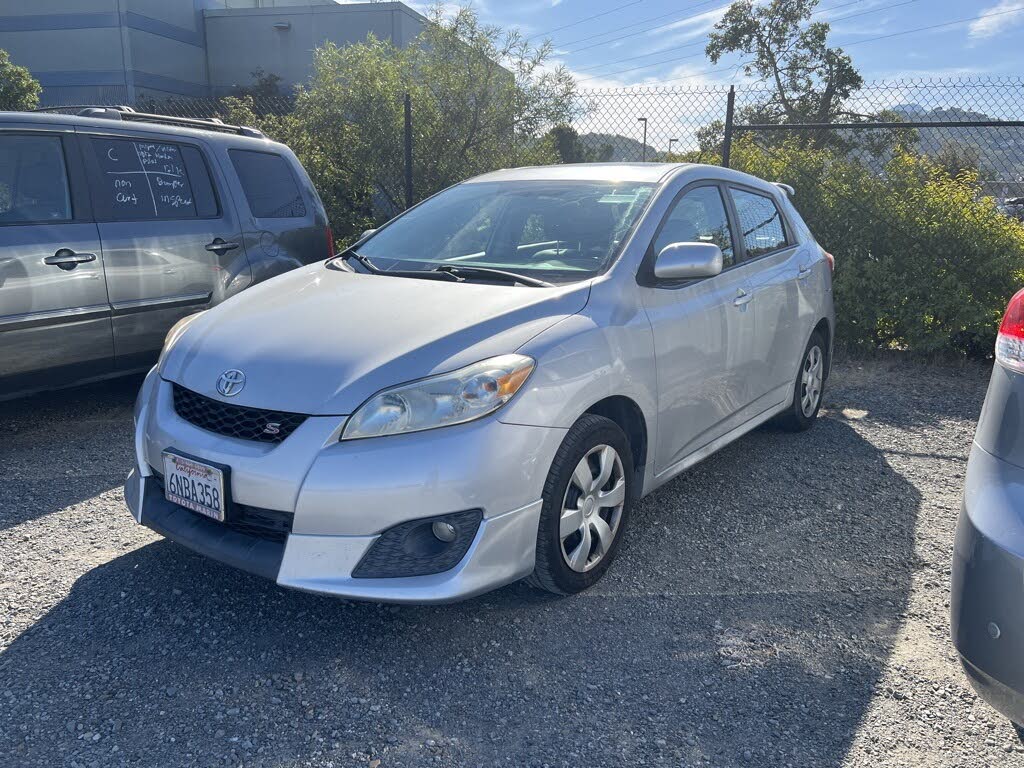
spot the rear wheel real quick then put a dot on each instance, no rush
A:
(587, 499)
(808, 389)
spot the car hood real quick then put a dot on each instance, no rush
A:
(320, 340)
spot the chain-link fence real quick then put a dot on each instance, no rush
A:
(914, 185)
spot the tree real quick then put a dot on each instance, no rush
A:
(811, 80)
(481, 99)
(571, 149)
(19, 91)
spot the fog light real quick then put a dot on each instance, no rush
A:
(444, 531)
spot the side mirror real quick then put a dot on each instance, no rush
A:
(366, 233)
(688, 261)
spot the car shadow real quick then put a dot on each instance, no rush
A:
(64, 447)
(747, 622)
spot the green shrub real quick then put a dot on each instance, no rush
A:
(924, 262)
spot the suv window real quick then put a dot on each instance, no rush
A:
(269, 184)
(33, 180)
(698, 217)
(760, 222)
(140, 180)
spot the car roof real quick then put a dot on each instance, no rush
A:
(136, 127)
(642, 172)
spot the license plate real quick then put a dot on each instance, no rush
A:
(194, 485)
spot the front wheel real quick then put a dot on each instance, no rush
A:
(587, 500)
(809, 387)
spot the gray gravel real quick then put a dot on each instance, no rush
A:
(782, 604)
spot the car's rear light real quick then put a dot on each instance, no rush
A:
(831, 261)
(330, 243)
(1010, 341)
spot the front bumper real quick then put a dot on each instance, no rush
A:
(987, 594)
(343, 495)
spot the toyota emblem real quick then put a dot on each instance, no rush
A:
(231, 382)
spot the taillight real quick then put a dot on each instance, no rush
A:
(831, 261)
(330, 243)
(1010, 341)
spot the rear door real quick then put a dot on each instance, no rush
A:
(54, 316)
(172, 241)
(771, 262)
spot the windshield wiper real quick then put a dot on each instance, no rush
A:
(511, 277)
(422, 274)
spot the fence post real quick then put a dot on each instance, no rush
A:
(408, 151)
(730, 105)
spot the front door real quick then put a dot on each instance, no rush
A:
(172, 241)
(702, 332)
(54, 315)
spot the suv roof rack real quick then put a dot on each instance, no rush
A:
(121, 112)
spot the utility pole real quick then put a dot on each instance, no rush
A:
(670, 143)
(644, 150)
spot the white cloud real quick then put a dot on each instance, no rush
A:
(993, 25)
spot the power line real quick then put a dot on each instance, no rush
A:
(701, 42)
(845, 45)
(586, 19)
(638, 23)
(651, 29)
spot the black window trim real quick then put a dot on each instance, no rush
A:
(93, 170)
(308, 210)
(81, 211)
(645, 274)
(787, 227)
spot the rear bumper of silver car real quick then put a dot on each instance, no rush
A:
(987, 593)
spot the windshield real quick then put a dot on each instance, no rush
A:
(556, 231)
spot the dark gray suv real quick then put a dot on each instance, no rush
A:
(115, 224)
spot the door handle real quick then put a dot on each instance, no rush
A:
(220, 247)
(742, 297)
(67, 259)
(804, 273)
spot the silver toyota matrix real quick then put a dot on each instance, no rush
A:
(479, 391)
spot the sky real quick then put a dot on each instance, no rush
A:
(617, 43)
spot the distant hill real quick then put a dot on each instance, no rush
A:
(616, 148)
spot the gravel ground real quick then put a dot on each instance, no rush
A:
(783, 604)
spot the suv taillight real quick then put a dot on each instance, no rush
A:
(330, 243)
(1010, 341)
(831, 261)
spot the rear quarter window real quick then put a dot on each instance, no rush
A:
(269, 184)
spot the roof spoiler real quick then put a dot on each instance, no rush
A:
(785, 188)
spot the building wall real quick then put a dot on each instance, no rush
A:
(280, 40)
(109, 51)
(124, 51)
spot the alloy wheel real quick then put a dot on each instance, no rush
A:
(592, 508)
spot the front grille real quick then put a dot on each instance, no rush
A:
(266, 524)
(234, 420)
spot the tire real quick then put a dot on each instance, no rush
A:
(803, 410)
(571, 563)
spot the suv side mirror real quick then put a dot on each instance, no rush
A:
(688, 261)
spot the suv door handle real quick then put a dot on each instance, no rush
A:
(220, 247)
(742, 297)
(804, 273)
(67, 259)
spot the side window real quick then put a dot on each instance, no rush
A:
(33, 180)
(760, 222)
(269, 184)
(145, 180)
(698, 217)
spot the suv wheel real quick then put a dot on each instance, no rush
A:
(587, 500)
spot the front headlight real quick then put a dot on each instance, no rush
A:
(451, 398)
(174, 334)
